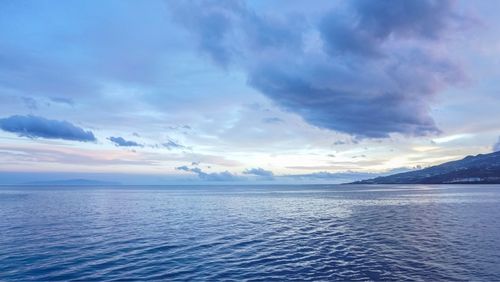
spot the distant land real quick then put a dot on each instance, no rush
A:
(480, 169)
(72, 182)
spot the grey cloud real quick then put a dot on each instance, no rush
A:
(34, 127)
(373, 22)
(210, 23)
(409, 18)
(221, 28)
(184, 168)
(259, 172)
(173, 145)
(367, 82)
(346, 40)
(365, 100)
(213, 176)
(120, 142)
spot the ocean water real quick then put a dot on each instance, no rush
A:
(254, 233)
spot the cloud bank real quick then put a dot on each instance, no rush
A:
(324, 175)
(38, 127)
(213, 176)
(343, 177)
(372, 69)
(260, 172)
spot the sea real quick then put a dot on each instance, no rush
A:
(250, 233)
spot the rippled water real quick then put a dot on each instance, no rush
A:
(250, 233)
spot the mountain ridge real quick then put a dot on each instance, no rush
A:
(478, 169)
(72, 182)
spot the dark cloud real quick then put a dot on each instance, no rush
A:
(223, 29)
(213, 176)
(496, 147)
(367, 99)
(377, 73)
(409, 18)
(33, 127)
(259, 172)
(120, 142)
(373, 22)
(210, 25)
(173, 145)
(184, 168)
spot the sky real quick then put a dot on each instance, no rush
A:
(283, 91)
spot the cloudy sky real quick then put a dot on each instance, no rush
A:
(244, 91)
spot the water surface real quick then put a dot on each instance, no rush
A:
(257, 233)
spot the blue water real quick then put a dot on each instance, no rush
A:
(258, 233)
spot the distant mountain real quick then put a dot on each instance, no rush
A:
(483, 168)
(72, 182)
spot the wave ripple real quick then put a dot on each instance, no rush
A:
(259, 233)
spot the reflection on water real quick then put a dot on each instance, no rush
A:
(250, 233)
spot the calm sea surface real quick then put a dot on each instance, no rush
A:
(258, 233)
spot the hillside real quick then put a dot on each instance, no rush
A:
(483, 168)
